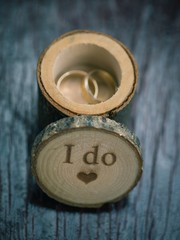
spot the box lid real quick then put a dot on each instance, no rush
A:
(86, 161)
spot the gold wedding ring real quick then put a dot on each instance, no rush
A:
(106, 85)
(70, 86)
(90, 90)
(67, 75)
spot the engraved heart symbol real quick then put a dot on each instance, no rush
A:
(87, 177)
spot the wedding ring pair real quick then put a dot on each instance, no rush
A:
(87, 87)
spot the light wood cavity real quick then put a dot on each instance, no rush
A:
(86, 51)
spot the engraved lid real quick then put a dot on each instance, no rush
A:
(79, 58)
(86, 161)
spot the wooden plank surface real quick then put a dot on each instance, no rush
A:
(151, 30)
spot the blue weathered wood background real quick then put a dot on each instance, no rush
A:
(151, 29)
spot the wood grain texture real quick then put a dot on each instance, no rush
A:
(150, 30)
(73, 152)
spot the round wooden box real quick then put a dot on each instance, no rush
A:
(87, 51)
(86, 159)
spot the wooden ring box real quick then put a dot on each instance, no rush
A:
(86, 159)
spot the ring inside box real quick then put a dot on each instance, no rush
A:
(86, 74)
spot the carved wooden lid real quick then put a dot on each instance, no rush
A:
(86, 161)
(65, 64)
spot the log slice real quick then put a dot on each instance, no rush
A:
(86, 161)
